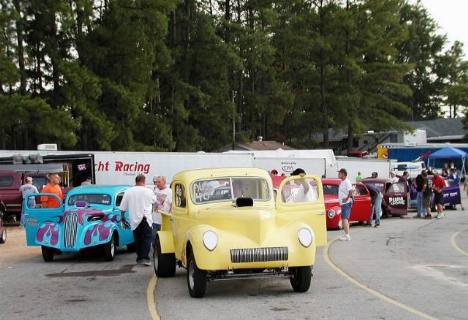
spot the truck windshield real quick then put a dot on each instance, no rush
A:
(230, 188)
(103, 199)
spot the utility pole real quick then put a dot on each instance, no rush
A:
(233, 121)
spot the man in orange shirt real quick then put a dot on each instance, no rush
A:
(52, 187)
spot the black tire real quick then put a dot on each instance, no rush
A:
(47, 253)
(301, 278)
(3, 236)
(164, 264)
(196, 278)
(109, 248)
(131, 247)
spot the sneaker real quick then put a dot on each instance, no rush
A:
(376, 225)
(345, 237)
(439, 216)
(429, 217)
(140, 261)
(147, 263)
(417, 216)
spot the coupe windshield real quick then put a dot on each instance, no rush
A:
(331, 189)
(103, 199)
(228, 189)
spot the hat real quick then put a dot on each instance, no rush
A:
(343, 171)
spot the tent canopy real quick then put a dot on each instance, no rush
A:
(448, 153)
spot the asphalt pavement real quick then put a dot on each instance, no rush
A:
(405, 269)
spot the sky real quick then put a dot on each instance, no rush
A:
(451, 15)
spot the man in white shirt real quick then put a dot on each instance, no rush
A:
(138, 200)
(301, 190)
(345, 196)
(163, 202)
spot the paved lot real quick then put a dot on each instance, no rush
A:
(406, 269)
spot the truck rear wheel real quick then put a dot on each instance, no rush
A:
(47, 253)
(164, 263)
(301, 278)
(196, 278)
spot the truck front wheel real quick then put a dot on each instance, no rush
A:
(196, 278)
(164, 263)
(301, 278)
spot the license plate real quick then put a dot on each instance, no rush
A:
(395, 201)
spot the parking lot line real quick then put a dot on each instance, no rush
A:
(373, 292)
(150, 299)
(453, 241)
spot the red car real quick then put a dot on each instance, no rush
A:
(360, 211)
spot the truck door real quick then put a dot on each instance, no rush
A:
(301, 199)
(35, 214)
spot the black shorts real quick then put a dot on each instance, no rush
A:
(438, 198)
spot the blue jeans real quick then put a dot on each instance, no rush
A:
(377, 208)
(346, 210)
(419, 205)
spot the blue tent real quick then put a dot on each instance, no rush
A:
(449, 153)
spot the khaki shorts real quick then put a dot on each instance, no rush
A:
(427, 202)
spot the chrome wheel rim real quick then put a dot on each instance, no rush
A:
(112, 248)
(4, 235)
(191, 272)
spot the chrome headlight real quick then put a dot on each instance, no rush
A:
(331, 213)
(305, 236)
(210, 240)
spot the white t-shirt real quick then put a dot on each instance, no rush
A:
(343, 191)
(138, 201)
(296, 193)
(163, 203)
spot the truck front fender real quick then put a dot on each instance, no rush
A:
(167, 241)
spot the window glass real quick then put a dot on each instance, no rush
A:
(397, 187)
(103, 199)
(379, 185)
(118, 199)
(360, 190)
(228, 189)
(6, 181)
(299, 190)
(180, 200)
(331, 189)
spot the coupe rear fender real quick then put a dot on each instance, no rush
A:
(166, 240)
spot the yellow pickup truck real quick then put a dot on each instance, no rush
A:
(229, 223)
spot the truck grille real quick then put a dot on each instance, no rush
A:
(259, 254)
(69, 236)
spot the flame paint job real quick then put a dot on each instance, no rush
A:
(94, 225)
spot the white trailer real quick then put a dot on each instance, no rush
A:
(364, 166)
(316, 162)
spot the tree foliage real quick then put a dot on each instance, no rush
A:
(187, 75)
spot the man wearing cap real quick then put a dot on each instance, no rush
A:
(345, 196)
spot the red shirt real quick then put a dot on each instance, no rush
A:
(438, 183)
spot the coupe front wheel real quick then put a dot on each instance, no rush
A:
(196, 278)
(47, 253)
(301, 278)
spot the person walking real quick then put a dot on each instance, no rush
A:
(419, 182)
(163, 202)
(26, 189)
(358, 177)
(427, 196)
(438, 184)
(139, 200)
(53, 186)
(376, 200)
(345, 196)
